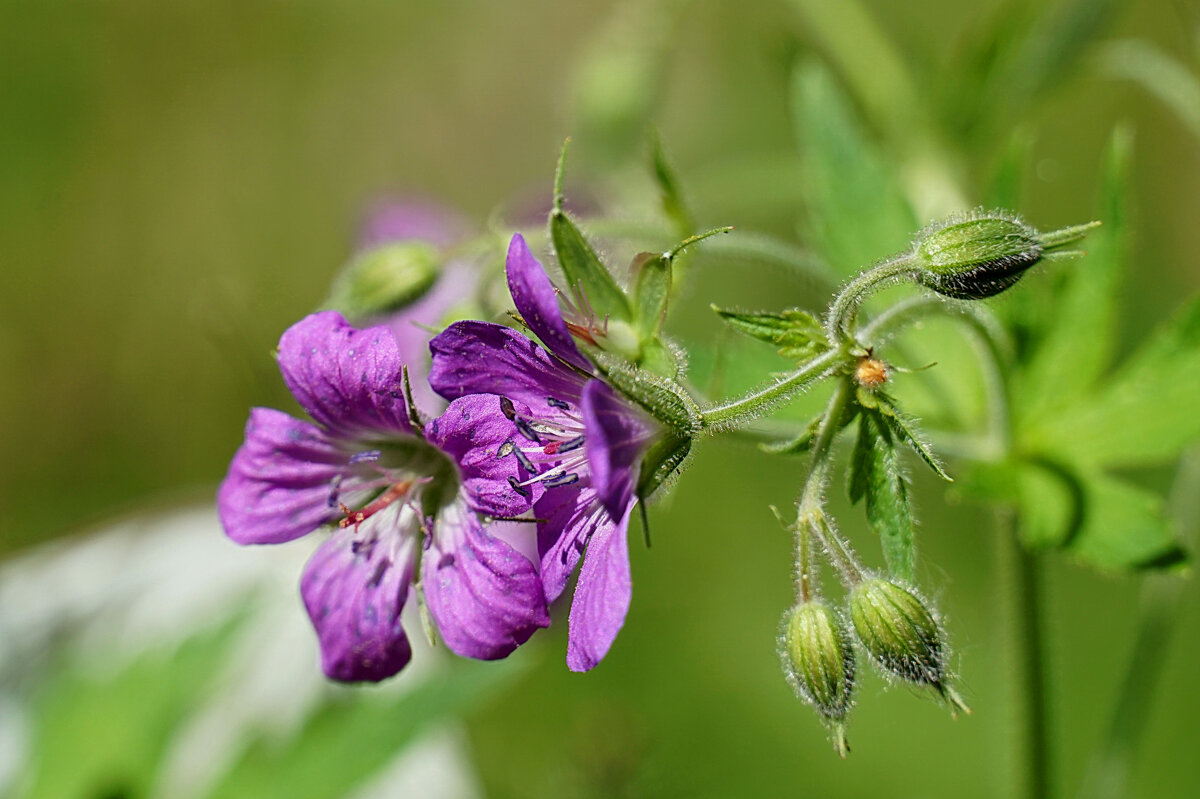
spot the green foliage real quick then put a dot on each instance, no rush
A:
(385, 279)
(875, 473)
(343, 744)
(587, 277)
(855, 209)
(797, 334)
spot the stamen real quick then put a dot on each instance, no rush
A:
(526, 430)
(367, 456)
(557, 403)
(505, 449)
(561, 480)
(516, 486)
(334, 485)
(523, 459)
(574, 443)
(506, 408)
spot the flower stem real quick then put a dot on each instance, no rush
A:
(839, 323)
(746, 408)
(1021, 578)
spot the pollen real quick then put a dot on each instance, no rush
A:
(871, 372)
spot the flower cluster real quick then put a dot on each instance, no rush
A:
(532, 441)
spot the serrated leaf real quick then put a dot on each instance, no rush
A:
(652, 287)
(1147, 413)
(1079, 336)
(875, 475)
(345, 743)
(587, 277)
(1124, 528)
(796, 333)
(856, 212)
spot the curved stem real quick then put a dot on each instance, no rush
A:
(750, 406)
(840, 321)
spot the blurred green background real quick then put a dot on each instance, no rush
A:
(180, 180)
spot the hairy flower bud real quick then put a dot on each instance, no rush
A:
(983, 253)
(818, 660)
(899, 632)
(385, 278)
(977, 256)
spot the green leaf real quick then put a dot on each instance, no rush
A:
(1124, 528)
(652, 288)
(875, 474)
(102, 733)
(346, 743)
(1147, 413)
(796, 333)
(589, 280)
(1052, 503)
(856, 212)
(1079, 336)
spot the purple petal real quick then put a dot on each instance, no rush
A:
(473, 431)
(349, 380)
(602, 595)
(537, 302)
(483, 358)
(572, 514)
(484, 595)
(279, 482)
(354, 588)
(616, 437)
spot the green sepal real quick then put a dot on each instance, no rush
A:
(385, 279)
(797, 334)
(875, 475)
(803, 442)
(662, 460)
(905, 430)
(652, 287)
(662, 398)
(587, 277)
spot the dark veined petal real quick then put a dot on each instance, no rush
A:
(354, 588)
(349, 380)
(484, 595)
(484, 358)
(602, 594)
(572, 514)
(537, 302)
(473, 431)
(279, 482)
(617, 435)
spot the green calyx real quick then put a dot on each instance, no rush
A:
(985, 252)
(899, 632)
(385, 279)
(818, 659)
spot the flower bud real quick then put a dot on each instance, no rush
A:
(985, 252)
(898, 631)
(385, 278)
(977, 256)
(818, 661)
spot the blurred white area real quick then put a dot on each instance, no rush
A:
(152, 582)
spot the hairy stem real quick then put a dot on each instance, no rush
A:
(751, 406)
(839, 323)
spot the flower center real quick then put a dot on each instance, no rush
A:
(409, 471)
(549, 447)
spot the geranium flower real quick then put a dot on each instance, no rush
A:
(400, 499)
(580, 440)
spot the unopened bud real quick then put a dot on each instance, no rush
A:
(901, 635)
(984, 253)
(818, 660)
(385, 279)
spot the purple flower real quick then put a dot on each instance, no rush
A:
(580, 441)
(403, 502)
